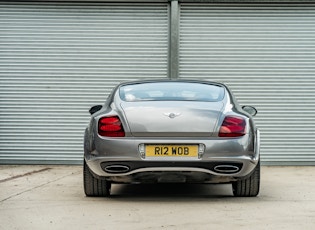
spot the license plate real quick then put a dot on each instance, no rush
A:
(171, 150)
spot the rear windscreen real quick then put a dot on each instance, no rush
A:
(171, 91)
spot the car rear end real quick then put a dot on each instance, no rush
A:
(173, 140)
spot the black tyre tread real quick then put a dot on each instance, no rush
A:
(248, 187)
(93, 186)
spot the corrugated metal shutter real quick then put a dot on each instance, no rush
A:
(266, 54)
(58, 59)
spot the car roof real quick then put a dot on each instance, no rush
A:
(173, 80)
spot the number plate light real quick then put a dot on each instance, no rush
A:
(142, 150)
(201, 150)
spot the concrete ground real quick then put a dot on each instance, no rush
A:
(52, 197)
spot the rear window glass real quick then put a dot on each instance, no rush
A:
(171, 91)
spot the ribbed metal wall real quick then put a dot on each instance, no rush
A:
(58, 59)
(266, 54)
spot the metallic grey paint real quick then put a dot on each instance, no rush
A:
(191, 122)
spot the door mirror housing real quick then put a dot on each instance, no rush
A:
(250, 110)
(95, 108)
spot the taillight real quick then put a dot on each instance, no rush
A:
(110, 127)
(232, 126)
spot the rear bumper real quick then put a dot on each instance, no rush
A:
(222, 171)
(223, 161)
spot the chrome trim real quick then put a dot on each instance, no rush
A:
(226, 169)
(116, 169)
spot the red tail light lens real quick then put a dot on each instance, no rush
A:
(110, 127)
(233, 126)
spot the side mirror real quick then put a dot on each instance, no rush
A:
(250, 110)
(95, 108)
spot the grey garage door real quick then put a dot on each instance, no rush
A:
(266, 54)
(58, 59)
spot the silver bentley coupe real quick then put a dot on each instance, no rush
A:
(171, 131)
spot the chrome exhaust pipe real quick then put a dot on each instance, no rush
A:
(226, 169)
(117, 168)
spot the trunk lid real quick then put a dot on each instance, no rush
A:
(172, 118)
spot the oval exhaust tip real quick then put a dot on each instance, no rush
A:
(226, 168)
(116, 168)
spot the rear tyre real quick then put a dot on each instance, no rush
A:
(248, 187)
(94, 186)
